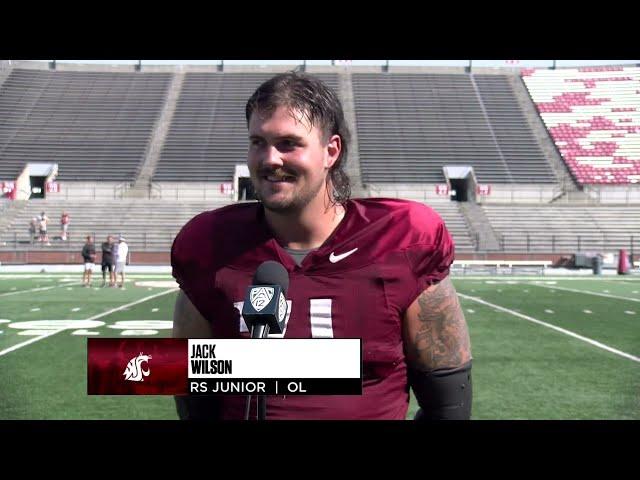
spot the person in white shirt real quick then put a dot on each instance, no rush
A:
(121, 259)
(43, 220)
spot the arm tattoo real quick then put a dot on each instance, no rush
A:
(437, 335)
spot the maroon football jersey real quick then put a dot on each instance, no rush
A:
(358, 284)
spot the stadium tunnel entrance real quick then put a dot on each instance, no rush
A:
(242, 184)
(245, 189)
(462, 182)
(33, 180)
(459, 190)
(37, 186)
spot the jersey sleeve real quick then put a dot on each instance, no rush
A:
(191, 265)
(432, 255)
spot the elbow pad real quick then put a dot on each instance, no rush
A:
(194, 407)
(443, 394)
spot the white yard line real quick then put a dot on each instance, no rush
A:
(40, 289)
(28, 342)
(548, 325)
(122, 307)
(608, 295)
(103, 314)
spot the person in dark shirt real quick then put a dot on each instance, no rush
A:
(32, 229)
(107, 261)
(89, 258)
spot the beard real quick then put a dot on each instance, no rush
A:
(295, 202)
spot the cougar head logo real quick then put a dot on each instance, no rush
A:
(134, 371)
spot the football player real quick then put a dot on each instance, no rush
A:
(375, 269)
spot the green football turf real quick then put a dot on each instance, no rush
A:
(521, 369)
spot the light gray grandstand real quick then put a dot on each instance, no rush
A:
(520, 163)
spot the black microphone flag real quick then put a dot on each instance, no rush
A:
(265, 306)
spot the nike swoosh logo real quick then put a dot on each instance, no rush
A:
(336, 258)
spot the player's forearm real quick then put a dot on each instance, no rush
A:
(187, 320)
(439, 354)
(443, 394)
(189, 323)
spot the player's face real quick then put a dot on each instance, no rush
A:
(288, 159)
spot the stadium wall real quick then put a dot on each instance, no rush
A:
(419, 192)
(163, 258)
(514, 193)
(192, 191)
(70, 190)
(57, 257)
(614, 194)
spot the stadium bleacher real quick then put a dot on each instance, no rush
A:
(593, 116)
(456, 224)
(148, 225)
(565, 228)
(94, 125)
(410, 125)
(526, 161)
(208, 134)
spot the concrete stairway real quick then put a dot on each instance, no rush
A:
(141, 187)
(353, 160)
(480, 229)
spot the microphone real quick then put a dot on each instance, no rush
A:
(265, 306)
(264, 311)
